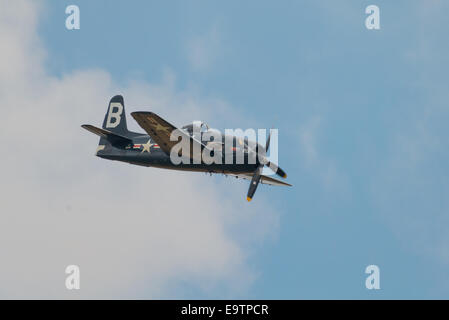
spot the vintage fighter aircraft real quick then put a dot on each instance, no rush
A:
(153, 149)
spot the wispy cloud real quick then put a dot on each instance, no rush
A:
(410, 187)
(204, 49)
(313, 159)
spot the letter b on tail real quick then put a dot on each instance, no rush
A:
(115, 111)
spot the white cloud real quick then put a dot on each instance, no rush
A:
(134, 232)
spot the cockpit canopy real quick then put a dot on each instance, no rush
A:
(197, 126)
(201, 131)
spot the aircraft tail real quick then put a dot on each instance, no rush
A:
(114, 131)
(115, 118)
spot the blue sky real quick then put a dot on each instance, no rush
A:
(362, 118)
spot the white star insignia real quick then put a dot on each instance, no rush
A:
(147, 146)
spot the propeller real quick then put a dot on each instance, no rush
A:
(254, 183)
(258, 173)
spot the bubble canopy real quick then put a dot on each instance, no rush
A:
(197, 126)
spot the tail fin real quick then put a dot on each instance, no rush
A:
(115, 118)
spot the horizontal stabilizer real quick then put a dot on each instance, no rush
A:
(273, 181)
(263, 179)
(113, 138)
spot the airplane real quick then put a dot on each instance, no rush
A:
(153, 148)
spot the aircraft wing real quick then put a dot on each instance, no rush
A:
(263, 179)
(160, 131)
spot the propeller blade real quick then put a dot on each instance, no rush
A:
(276, 169)
(268, 142)
(254, 183)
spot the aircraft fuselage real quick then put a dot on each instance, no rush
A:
(144, 151)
